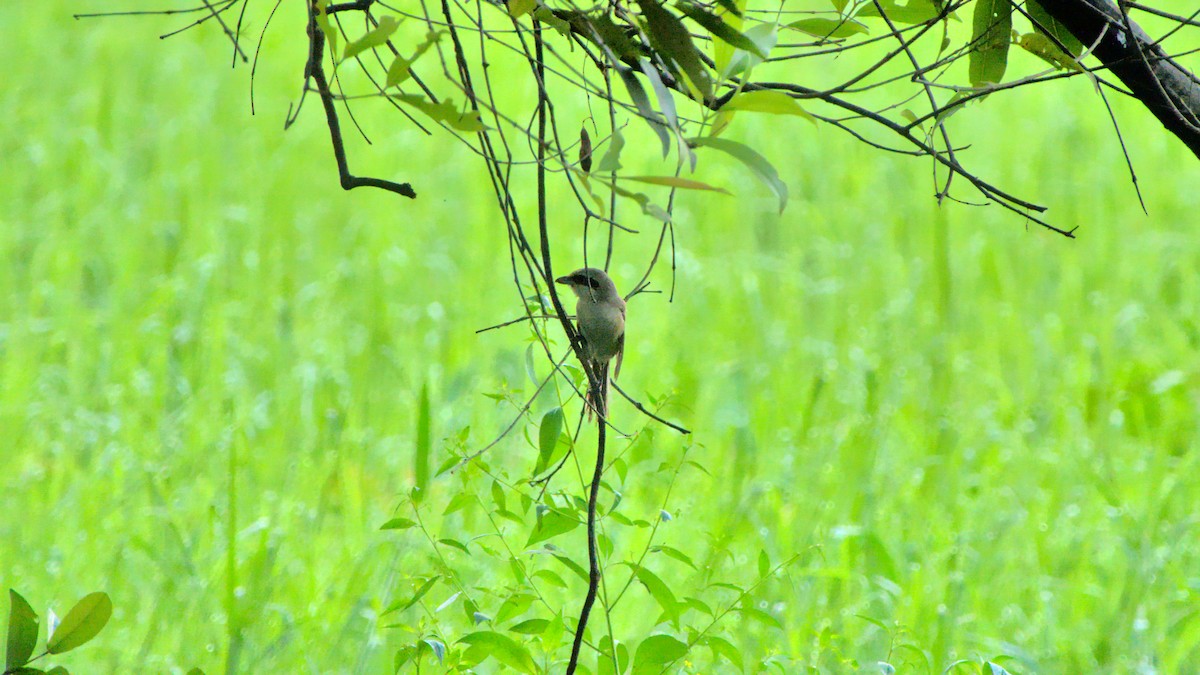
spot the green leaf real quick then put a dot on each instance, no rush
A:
(673, 553)
(423, 445)
(458, 502)
(519, 8)
(760, 616)
(724, 648)
(768, 101)
(672, 40)
(676, 182)
(550, 578)
(374, 37)
(991, 28)
(829, 28)
(22, 631)
(611, 161)
(764, 564)
(637, 94)
(530, 627)
(659, 590)
(504, 649)
(444, 112)
(551, 524)
(81, 624)
(548, 433)
(916, 11)
(401, 68)
(1044, 48)
(721, 30)
(401, 605)
(1049, 26)
(331, 34)
(454, 543)
(516, 605)
(764, 36)
(757, 164)
(498, 496)
(60, 670)
(398, 524)
(656, 651)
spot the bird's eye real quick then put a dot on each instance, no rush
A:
(593, 284)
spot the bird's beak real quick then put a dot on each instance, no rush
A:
(564, 280)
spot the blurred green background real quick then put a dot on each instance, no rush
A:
(987, 431)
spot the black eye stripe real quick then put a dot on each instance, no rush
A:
(595, 285)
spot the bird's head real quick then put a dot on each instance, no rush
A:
(590, 283)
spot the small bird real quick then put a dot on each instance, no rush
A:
(600, 315)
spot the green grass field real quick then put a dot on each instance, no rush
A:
(980, 437)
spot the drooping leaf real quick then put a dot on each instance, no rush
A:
(509, 652)
(611, 161)
(675, 553)
(326, 26)
(659, 590)
(676, 182)
(401, 605)
(672, 40)
(519, 8)
(548, 433)
(656, 651)
(530, 627)
(516, 605)
(916, 11)
(724, 648)
(829, 28)
(445, 112)
(398, 524)
(600, 29)
(720, 30)
(764, 564)
(768, 101)
(1044, 48)
(646, 111)
(991, 28)
(765, 36)
(374, 37)
(551, 524)
(757, 164)
(401, 67)
(22, 631)
(1048, 25)
(81, 624)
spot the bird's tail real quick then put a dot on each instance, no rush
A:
(599, 404)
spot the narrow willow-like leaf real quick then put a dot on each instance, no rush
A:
(671, 39)
(991, 28)
(916, 11)
(638, 95)
(768, 101)
(81, 624)
(829, 28)
(676, 182)
(720, 30)
(753, 160)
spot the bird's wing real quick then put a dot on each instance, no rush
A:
(620, 346)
